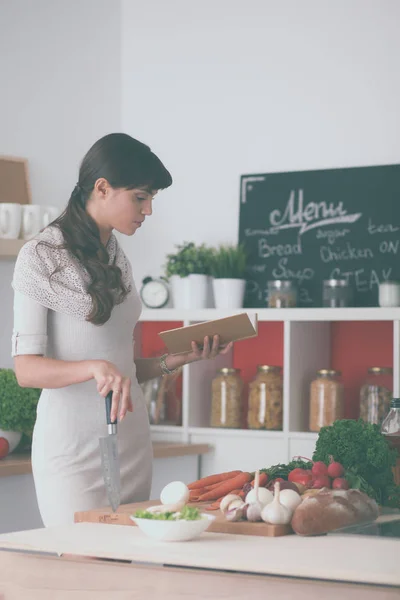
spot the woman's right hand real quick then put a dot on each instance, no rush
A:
(108, 379)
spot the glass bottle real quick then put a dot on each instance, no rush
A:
(376, 394)
(391, 430)
(326, 399)
(227, 396)
(265, 407)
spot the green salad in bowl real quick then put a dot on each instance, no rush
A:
(188, 513)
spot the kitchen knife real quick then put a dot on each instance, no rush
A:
(110, 459)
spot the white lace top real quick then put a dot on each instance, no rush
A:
(66, 292)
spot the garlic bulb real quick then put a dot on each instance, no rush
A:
(275, 513)
(264, 496)
(226, 501)
(290, 499)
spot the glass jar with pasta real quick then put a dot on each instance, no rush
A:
(376, 394)
(265, 407)
(227, 399)
(326, 399)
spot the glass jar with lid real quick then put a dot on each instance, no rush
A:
(376, 394)
(336, 293)
(265, 406)
(281, 294)
(326, 399)
(227, 399)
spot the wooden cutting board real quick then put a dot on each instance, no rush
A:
(219, 525)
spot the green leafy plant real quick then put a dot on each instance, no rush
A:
(189, 259)
(366, 456)
(229, 262)
(17, 404)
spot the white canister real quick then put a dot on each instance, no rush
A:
(31, 220)
(389, 293)
(49, 214)
(10, 220)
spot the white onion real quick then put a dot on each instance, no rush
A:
(175, 492)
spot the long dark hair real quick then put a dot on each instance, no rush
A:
(125, 163)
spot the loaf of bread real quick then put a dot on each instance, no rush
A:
(332, 509)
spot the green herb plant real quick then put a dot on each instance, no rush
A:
(189, 259)
(366, 456)
(229, 262)
(282, 470)
(17, 405)
(188, 513)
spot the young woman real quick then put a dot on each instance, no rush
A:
(75, 309)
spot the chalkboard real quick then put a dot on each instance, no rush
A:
(308, 226)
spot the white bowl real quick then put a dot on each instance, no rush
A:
(173, 531)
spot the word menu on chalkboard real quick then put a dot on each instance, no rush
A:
(309, 226)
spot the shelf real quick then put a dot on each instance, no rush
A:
(303, 435)
(221, 432)
(166, 428)
(276, 314)
(10, 248)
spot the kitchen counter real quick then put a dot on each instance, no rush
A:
(20, 464)
(229, 565)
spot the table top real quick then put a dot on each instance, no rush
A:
(341, 558)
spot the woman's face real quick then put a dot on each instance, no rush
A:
(126, 210)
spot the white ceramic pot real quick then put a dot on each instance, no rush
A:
(229, 293)
(198, 290)
(13, 438)
(180, 291)
(10, 220)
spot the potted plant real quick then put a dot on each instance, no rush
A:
(17, 410)
(188, 271)
(228, 268)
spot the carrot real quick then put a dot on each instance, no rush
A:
(263, 480)
(215, 505)
(226, 487)
(210, 479)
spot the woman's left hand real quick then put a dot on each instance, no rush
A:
(211, 348)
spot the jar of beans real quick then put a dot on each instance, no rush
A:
(227, 399)
(265, 408)
(326, 399)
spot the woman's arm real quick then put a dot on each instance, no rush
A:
(149, 368)
(41, 372)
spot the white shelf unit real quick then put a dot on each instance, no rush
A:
(306, 344)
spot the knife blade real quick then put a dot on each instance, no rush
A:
(110, 459)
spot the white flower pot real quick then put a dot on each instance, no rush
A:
(229, 293)
(198, 290)
(180, 291)
(13, 438)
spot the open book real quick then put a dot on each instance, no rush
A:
(229, 329)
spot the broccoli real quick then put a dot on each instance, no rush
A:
(365, 455)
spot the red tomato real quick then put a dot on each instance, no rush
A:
(302, 476)
(4, 447)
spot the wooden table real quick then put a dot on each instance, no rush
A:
(48, 578)
(229, 565)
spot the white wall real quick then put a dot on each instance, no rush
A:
(221, 88)
(60, 91)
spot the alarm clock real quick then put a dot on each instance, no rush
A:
(154, 292)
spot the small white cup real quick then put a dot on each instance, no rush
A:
(10, 220)
(389, 293)
(31, 220)
(49, 213)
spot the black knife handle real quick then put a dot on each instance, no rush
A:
(108, 408)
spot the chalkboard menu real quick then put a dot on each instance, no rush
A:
(309, 226)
